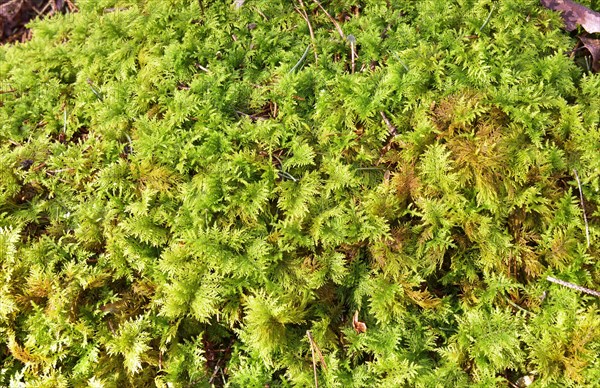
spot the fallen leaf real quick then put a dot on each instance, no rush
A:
(9, 15)
(575, 14)
(593, 46)
(359, 326)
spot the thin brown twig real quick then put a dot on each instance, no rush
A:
(44, 10)
(304, 15)
(336, 24)
(72, 7)
(37, 11)
(214, 374)
(587, 228)
(261, 14)
(573, 286)
(217, 365)
(391, 128)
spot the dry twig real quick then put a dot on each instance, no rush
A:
(573, 286)
(391, 128)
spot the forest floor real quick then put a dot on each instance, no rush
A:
(15, 14)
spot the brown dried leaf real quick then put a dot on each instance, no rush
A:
(575, 14)
(359, 326)
(9, 9)
(593, 46)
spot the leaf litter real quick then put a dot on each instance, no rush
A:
(575, 14)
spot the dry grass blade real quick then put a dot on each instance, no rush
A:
(587, 228)
(304, 14)
(314, 361)
(314, 348)
(353, 55)
(336, 24)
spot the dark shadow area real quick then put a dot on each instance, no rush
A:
(15, 14)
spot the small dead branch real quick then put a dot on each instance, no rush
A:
(510, 302)
(261, 13)
(573, 286)
(72, 7)
(391, 128)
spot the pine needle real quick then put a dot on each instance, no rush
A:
(487, 19)
(304, 15)
(300, 60)
(336, 24)
(353, 55)
(314, 361)
(587, 228)
(313, 348)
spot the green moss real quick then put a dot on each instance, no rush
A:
(186, 190)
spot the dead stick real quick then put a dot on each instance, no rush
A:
(391, 128)
(573, 286)
(72, 6)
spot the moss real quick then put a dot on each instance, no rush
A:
(187, 188)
